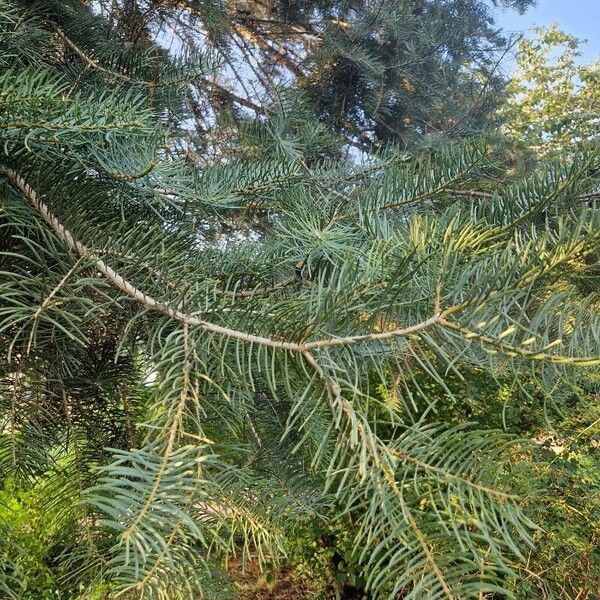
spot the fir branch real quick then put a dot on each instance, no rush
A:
(189, 319)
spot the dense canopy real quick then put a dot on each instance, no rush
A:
(203, 348)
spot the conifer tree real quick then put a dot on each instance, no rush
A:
(375, 70)
(197, 357)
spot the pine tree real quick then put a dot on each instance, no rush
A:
(375, 70)
(196, 358)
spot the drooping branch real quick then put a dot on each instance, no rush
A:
(439, 318)
(382, 459)
(170, 443)
(189, 318)
(511, 350)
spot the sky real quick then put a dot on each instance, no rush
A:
(579, 17)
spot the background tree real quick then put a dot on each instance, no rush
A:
(554, 101)
(552, 109)
(374, 70)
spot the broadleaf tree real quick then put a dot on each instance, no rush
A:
(553, 100)
(193, 357)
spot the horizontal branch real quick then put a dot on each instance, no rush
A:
(191, 319)
(472, 193)
(373, 337)
(488, 195)
(449, 476)
(444, 186)
(261, 290)
(510, 350)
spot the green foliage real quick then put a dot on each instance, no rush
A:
(323, 552)
(34, 532)
(562, 481)
(405, 71)
(195, 361)
(553, 101)
(559, 475)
